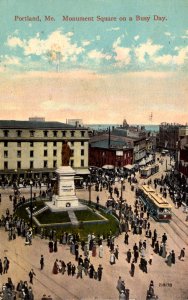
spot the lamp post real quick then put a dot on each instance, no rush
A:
(89, 189)
(121, 198)
(31, 204)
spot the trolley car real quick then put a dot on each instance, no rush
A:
(157, 206)
(147, 171)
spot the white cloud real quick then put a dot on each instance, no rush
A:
(86, 43)
(136, 37)
(167, 33)
(147, 48)
(11, 60)
(56, 46)
(14, 42)
(113, 29)
(123, 55)
(117, 42)
(95, 54)
(178, 59)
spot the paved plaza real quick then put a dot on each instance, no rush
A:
(169, 282)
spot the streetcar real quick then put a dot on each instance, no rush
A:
(147, 171)
(157, 206)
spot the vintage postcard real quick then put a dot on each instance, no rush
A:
(92, 62)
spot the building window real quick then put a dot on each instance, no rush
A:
(5, 144)
(5, 164)
(19, 144)
(82, 162)
(45, 163)
(72, 133)
(55, 144)
(45, 144)
(31, 153)
(82, 133)
(55, 133)
(63, 133)
(82, 143)
(32, 133)
(45, 133)
(54, 163)
(72, 143)
(19, 154)
(19, 133)
(18, 164)
(31, 164)
(31, 144)
(5, 154)
(54, 152)
(82, 151)
(5, 133)
(72, 163)
(45, 152)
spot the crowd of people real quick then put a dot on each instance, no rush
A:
(134, 220)
(22, 291)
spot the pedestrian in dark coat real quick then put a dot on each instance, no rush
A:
(73, 269)
(31, 275)
(55, 246)
(69, 268)
(129, 256)
(136, 255)
(1, 267)
(132, 268)
(156, 249)
(91, 271)
(99, 272)
(126, 238)
(173, 257)
(182, 254)
(42, 262)
(51, 246)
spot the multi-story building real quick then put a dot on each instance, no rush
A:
(35, 146)
(183, 151)
(168, 136)
(116, 154)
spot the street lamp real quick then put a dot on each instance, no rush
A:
(90, 189)
(31, 204)
(121, 198)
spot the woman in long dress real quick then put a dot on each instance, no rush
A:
(112, 258)
(101, 250)
(55, 267)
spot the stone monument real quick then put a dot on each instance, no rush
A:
(65, 194)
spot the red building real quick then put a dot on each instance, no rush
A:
(101, 154)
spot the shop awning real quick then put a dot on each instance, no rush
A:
(142, 163)
(129, 167)
(82, 171)
(108, 167)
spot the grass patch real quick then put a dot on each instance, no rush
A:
(86, 215)
(48, 217)
(22, 213)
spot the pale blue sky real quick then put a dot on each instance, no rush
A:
(100, 46)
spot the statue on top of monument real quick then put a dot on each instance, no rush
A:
(65, 154)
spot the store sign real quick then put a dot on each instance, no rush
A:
(119, 153)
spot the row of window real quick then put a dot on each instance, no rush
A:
(45, 164)
(19, 152)
(19, 144)
(45, 133)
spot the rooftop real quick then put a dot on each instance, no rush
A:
(12, 124)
